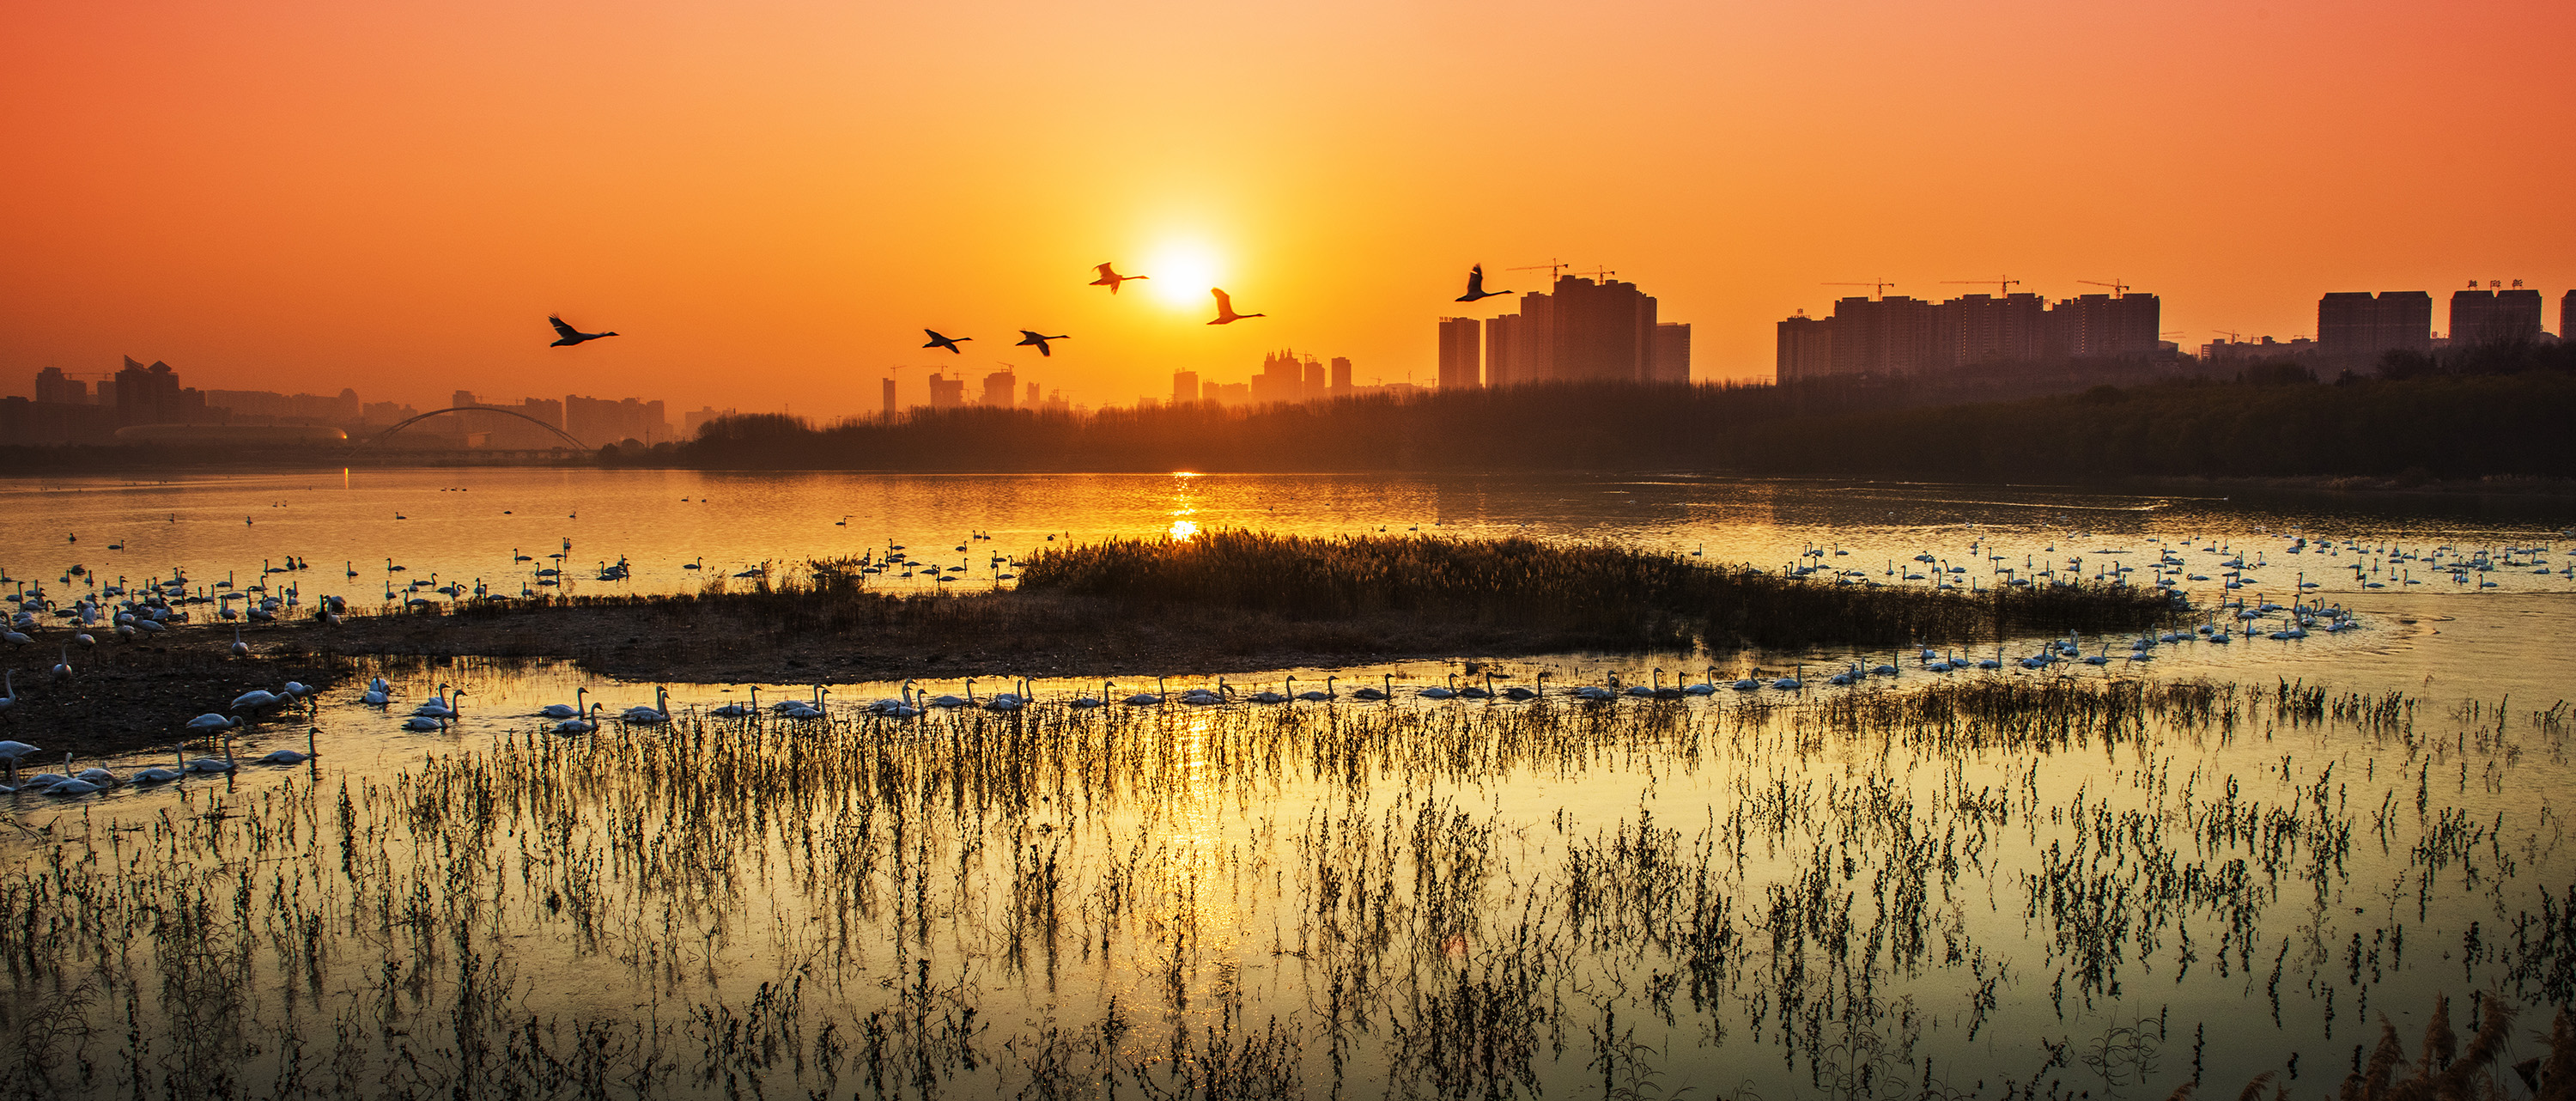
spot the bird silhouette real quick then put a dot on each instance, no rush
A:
(1225, 314)
(948, 342)
(1111, 279)
(567, 336)
(1476, 285)
(1029, 337)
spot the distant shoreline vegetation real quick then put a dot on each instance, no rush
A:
(2277, 423)
(2484, 414)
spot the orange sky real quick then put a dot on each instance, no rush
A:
(770, 200)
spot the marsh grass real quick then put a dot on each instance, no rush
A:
(1594, 591)
(2003, 888)
(1230, 601)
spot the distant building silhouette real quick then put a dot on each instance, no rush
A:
(2106, 326)
(1805, 348)
(1282, 379)
(1521, 348)
(1316, 388)
(2356, 328)
(600, 422)
(1604, 331)
(890, 409)
(945, 392)
(2259, 350)
(1897, 335)
(2494, 316)
(1341, 376)
(1185, 387)
(56, 388)
(690, 423)
(1460, 350)
(152, 395)
(1672, 352)
(2566, 315)
(1000, 388)
(1033, 396)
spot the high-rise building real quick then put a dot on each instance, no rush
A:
(1520, 348)
(1806, 349)
(1033, 396)
(152, 395)
(1316, 388)
(1984, 328)
(1282, 378)
(1604, 331)
(1885, 337)
(1185, 387)
(1341, 376)
(945, 393)
(889, 399)
(600, 422)
(1000, 387)
(1459, 351)
(1672, 351)
(2106, 326)
(56, 388)
(2567, 316)
(2494, 316)
(2356, 328)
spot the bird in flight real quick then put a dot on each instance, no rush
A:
(1225, 314)
(1476, 285)
(1111, 279)
(566, 336)
(948, 342)
(1029, 337)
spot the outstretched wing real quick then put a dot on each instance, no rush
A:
(562, 329)
(1105, 273)
(1476, 280)
(1030, 336)
(1224, 301)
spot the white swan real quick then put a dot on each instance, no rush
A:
(1149, 699)
(581, 724)
(740, 711)
(1323, 696)
(660, 712)
(291, 757)
(571, 710)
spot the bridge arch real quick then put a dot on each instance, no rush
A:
(407, 422)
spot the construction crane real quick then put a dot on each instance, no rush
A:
(1552, 266)
(2118, 288)
(1878, 287)
(2003, 286)
(1600, 276)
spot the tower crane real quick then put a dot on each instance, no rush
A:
(2118, 288)
(2003, 285)
(1878, 287)
(1552, 267)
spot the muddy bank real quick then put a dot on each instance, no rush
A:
(126, 696)
(1015, 634)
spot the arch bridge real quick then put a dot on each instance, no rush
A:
(407, 422)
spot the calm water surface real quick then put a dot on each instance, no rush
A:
(1762, 894)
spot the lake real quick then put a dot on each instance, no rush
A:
(1991, 883)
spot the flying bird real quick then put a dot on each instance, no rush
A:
(1476, 285)
(948, 342)
(1225, 314)
(567, 336)
(1111, 279)
(1028, 337)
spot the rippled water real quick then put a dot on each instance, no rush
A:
(1816, 893)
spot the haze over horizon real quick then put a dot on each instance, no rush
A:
(772, 201)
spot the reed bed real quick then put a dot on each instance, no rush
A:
(1988, 890)
(1598, 591)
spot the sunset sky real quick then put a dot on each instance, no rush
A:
(770, 200)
